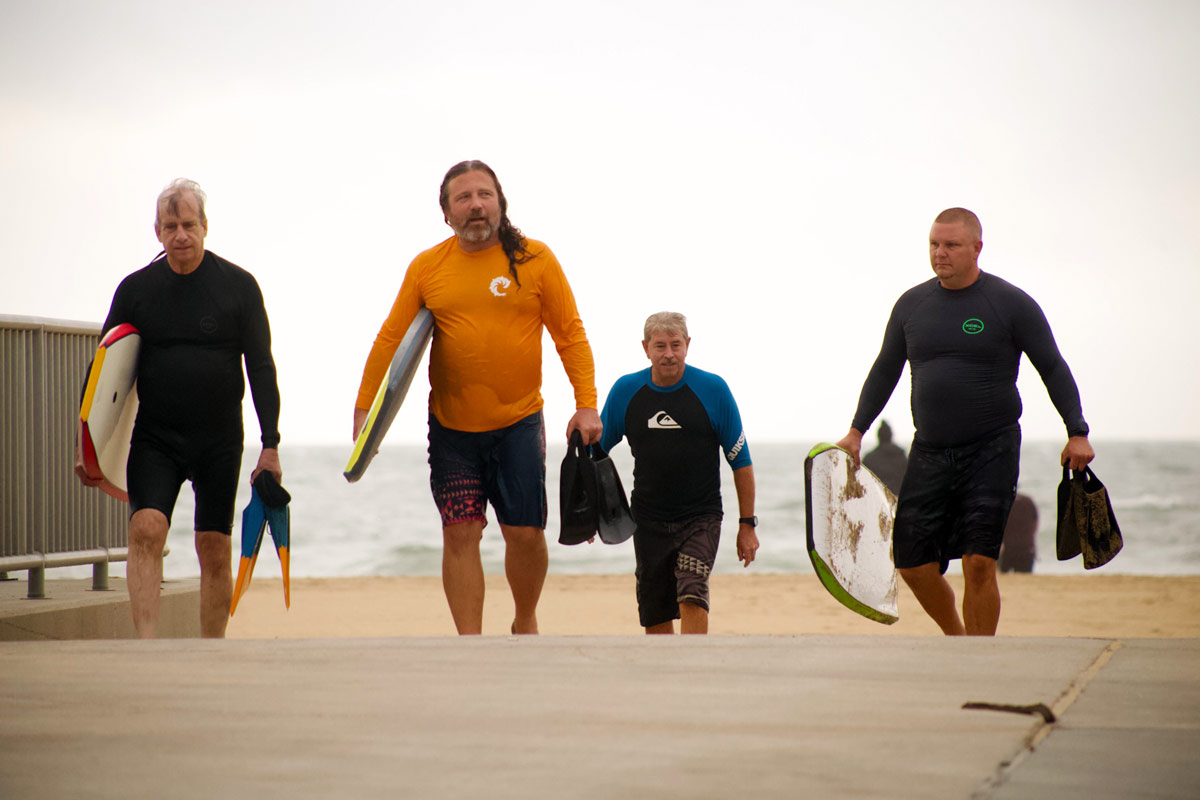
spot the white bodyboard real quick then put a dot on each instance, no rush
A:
(850, 515)
(109, 409)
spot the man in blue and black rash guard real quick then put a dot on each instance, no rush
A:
(198, 316)
(963, 334)
(678, 420)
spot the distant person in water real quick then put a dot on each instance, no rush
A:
(887, 460)
(1019, 550)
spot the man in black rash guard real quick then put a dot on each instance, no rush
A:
(198, 316)
(962, 334)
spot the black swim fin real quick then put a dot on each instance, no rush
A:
(578, 510)
(272, 493)
(615, 523)
(1086, 522)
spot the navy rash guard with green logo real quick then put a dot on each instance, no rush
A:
(676, 434)
(195, 330)
(964, 347)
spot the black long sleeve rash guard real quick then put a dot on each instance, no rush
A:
(195, 330)
(964, 347)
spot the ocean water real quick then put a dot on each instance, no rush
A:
(386, 523)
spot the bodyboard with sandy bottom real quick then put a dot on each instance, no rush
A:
(850, 515)
(109, 408)
(391, 394)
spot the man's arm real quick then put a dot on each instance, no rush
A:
(404, 310)
(260, 367)
(852, 443)
(587, 422)
(1078, 452)
(268, 460)
(560, 315)
(1037, 341)
(747, 535)
(880, 383)
(612, 416)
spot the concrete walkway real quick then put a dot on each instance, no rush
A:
(71, 610)
(600, 717)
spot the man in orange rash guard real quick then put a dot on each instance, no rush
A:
(491, 290)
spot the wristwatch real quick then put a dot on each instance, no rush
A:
(751, 521)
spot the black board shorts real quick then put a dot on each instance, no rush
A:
(955, 500)
(674, 561)
(161, 460)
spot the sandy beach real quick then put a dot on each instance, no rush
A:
(1109, 606)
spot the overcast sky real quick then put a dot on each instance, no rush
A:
(770, 169)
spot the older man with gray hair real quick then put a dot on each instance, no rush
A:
(678, 420)
(198, 316)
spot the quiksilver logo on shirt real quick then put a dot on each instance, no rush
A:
(737, 448)
(662, 421)
(499, 284)
(973, 326)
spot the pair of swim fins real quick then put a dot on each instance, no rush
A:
(591, 498)
(268, 507)
(1086, 522)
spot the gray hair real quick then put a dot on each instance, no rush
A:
(168, 200)
(669, 321)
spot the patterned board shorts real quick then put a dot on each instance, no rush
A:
(505, 467)
(674, 560)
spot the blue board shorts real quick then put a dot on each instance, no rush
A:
(505, 467)
(954, 501)
(161, 460)
(674, 560)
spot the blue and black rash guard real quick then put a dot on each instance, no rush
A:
(195, 329)
(964, 347)
(676, 434)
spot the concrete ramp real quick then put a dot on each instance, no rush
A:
(600, 717)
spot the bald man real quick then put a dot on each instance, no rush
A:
(962, 334)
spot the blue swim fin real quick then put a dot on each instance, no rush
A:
(280, 520)
(254, 521)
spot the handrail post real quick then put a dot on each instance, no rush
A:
(100, 576)
(37, 583)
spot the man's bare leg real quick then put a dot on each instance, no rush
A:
(462, 575)
(667, 627)
(215, 550)
(981, 595)
(935, 595)
(525, 562)
(143, 571)
(692, 618)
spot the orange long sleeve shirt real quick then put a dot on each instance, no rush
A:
(485, 365)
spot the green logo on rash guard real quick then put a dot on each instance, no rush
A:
(973, 326)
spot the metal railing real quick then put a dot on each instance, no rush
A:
(47, 517)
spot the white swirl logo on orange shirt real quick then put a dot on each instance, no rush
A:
(499, 284)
